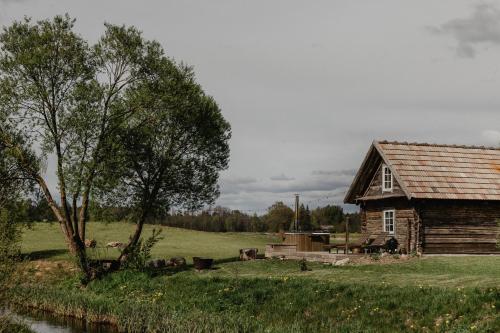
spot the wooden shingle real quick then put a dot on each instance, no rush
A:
(431, 171)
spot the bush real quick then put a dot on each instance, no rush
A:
(137, 256)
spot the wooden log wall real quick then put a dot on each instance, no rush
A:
(460, 226)
(405, 219)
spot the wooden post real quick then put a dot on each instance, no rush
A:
(408, 236)
(296, 224)
(346, 235)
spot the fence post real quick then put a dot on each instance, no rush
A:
(346, 235)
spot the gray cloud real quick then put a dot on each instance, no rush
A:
(482, 27)
(492, 137)
(307, 89)
(349, 172)
(281, 177)
(240, 180)
(319, 181)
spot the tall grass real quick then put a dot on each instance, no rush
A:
(8, 325)
(137, 302)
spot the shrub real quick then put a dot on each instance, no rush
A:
(137, 256)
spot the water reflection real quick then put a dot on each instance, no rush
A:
(43, 322)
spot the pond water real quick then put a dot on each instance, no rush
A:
(44, 322)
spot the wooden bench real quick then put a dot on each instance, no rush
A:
(360, 244)
(378, 242)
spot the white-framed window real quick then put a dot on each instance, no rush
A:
(386, 179)
(390, 221)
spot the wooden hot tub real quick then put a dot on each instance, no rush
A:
(307, 241)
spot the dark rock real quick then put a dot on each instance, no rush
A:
(177, 262)
(90, 243)
(248, 254)
(156, 263)
(202, 263)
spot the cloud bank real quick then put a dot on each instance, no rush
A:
(481, 27)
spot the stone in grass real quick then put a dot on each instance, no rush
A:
(248, 254)
(341, 262)
(115, 245)
(177, 262)
(156, 263)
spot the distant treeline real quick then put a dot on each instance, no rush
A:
(279, 217)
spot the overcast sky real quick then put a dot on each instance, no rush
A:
(308, 85)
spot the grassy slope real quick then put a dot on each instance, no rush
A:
(433, 294)
(46, 241)
(230, 299)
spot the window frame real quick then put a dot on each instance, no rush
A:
(384, 225)
(384, 188)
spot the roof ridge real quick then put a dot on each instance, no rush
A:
(437, 145)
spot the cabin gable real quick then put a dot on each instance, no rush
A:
(375, 191)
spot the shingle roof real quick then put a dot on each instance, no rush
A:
(432, 171)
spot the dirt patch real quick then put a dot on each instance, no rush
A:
(383, 259)
(42, 270)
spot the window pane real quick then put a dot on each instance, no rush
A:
(389, 221)
(387, 178)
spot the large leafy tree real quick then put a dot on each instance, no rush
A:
(62, 98)
(171, 150)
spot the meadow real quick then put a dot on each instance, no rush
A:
(45, 240)
(428, 294)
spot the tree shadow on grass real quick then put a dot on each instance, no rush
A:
(226, 260)
(44, 254)
(170, 271)
(167, 271)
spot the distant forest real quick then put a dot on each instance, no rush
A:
(279, 217)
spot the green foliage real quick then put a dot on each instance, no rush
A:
(138, 254)
(8, 325)
(125, 123)
(305, 219)
(279, 217)
(172, 148)
(303, 265)
(136, 302)
(39, 209)
(9, 246)
(328, 215)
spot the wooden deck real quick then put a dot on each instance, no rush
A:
(288, 251)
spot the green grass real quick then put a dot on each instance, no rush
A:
(45, 240)
(8, 325)
(431, 294)
(199, 302)
(446, 272)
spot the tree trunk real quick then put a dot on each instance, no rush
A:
(75, 243)
(136, 236)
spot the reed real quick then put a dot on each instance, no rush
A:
(137, 302)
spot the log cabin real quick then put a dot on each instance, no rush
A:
(434, 199)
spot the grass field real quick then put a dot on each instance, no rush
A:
(45, 240)
(429, 294)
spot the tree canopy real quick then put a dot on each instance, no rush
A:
(120, 119)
